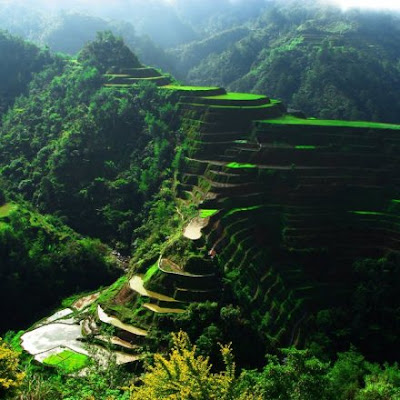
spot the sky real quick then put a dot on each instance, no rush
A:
(344, 4)
(369, 4)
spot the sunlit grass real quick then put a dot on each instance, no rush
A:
(237, 96)
(7, 209)
(236, 210)
(235, 165)
(68, 361)
(150, 272)
(207, 213)
(191, 88)
(304, 147)
(291, 120)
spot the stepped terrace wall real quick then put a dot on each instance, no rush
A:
(298, 202)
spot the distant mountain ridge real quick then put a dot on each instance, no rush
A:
(327, 63)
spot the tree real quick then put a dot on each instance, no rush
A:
(108, 51)
(298, 376)
(11, 377)
(183, 375)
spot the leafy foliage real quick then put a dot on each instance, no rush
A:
(11, 378)
(93, 155)
(17, 68)
(184, 375)
(317, 59)
(298, 375)
(43, 261)
(108, 51)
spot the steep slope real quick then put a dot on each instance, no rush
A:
(89, 148)
(283, 208)
(266, 227)
(42, 262)
(315, 58)
(17, 68)
(68, 31)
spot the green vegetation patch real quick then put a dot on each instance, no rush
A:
(236, 210)
(246, 107)
(291, 120)
(191, 88)
(151, 272)
(207, 213)
(304, 147)
(367, 213)
(7, 209)
(111, 291)
(236, 165)
(68, 361)
(237, 96)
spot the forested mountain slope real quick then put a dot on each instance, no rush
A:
(249, 224)
(91, 154)
(318, 59)
(42, 262)
(18, 62)
(69, 31)
(314, 57)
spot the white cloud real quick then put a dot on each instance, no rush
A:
(369, 4)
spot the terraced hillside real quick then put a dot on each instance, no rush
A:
(284, 205)
(125, 77)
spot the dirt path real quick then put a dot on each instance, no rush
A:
(136, 284)
(162, 310)
(117, 341)
(193, 230)
(119, 324)
(83, 302)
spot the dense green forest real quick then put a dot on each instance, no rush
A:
(42, 262)
(68, 31)
(93, 155)
(22, 61)
(282, 50)
(318, 59)
(110, 169)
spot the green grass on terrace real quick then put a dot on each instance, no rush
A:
(236, 165)
(191, 88)
(247, 107)
(304, 147)
(150, 272)
(375, 213)
(207, 213)
(291, 120)
(237, 96)
(7, 209)
(69, 361)
(236, 210)
(367, 213)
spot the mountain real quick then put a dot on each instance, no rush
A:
(317, 59)
(42, 262)
(86, 151)
(17, 69)
(234, 219)
(68, 31)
